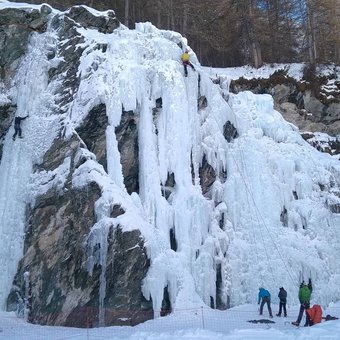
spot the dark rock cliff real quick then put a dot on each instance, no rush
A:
(61, 290)
(16, 26)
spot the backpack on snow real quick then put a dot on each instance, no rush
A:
(315, 314)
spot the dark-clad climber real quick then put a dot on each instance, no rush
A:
(186, 61)
(17, 126)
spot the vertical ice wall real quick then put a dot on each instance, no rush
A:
(277, 202)
(138, 68)
(31, 94)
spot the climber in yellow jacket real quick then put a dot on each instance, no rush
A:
(186, 61)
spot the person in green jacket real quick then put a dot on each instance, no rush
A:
(305, 293)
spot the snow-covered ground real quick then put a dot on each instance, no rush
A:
(293, 70)
(330, 90)
(195, 324)
(248, 72)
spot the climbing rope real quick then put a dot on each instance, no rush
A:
(258, 214)
(254, 232)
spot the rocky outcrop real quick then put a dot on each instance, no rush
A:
(86, 19)
(323, 142)
(71, 47)
(16, 25)
(308, 104)
(7, 112)
(127, 137)
(207, 176)
(62, 290)
(53, 273)
(92, 133)
(58, 222)
(229, 131)
(126, 269)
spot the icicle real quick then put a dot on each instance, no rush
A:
(97, 254)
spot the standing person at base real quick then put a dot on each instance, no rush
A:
(264, 295)
(283, 301)
(305, 293)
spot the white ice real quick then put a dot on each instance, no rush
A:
(270, 169)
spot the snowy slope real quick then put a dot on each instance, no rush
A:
(268, 224)
(195, 324)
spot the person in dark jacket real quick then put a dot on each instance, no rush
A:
(264, 295)
(17, 126)
(283, 301)
(305, 293)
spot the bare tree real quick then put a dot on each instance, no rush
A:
(126, 13)
(247, 13)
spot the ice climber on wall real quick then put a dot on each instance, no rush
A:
(186, 61)
(17, 126)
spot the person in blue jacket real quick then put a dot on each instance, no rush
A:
(264, 295)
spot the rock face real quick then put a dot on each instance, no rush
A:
(62, 291)
(7, 112)
(127, 136)
(16, 25)
(323, 142)
(309, 108)
(92, 132)
(104, 24)
(59, 287)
